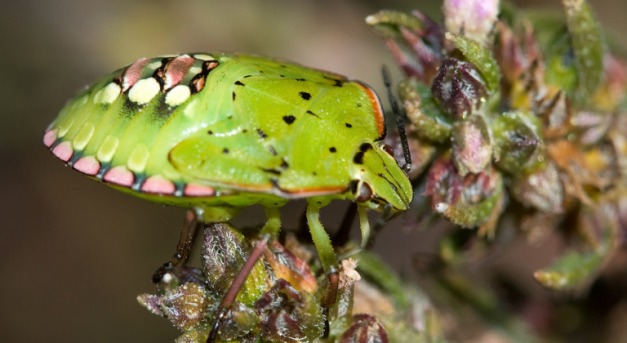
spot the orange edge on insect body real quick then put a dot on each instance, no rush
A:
(376, 105)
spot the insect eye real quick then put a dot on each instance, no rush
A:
(388, 149)
(363, 193)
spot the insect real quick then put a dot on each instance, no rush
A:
(220, 132)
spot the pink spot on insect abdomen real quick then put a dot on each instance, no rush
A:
(63, 151)
(120, 176)
(50, 137)
(87, 165)
(158, 185)
(195, 190)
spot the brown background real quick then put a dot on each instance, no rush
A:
(73, 253)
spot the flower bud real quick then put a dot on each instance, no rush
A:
(290, 267)
(470, 200)
(540, 189)
(365, 329)
(516, 140)
(185, 306)
(224, 252)
(415, 41)
(288, 315)
(472, 149)
(458, 88)
(472, 18)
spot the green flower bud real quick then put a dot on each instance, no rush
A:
(517, 141)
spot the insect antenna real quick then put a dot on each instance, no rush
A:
(400, 124)
(183, 248)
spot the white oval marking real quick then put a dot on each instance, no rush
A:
(204, 57)
(144, 90)
(177, 95)
(108, 94)
(107, 149)
(83, 136)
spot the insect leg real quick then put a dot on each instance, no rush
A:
(327, 258)
(183, 248)
(364, 225)
(273, 223)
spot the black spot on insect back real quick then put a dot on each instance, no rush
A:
(233, 96)
(305, 95)
(289, 119)
(300, 79)
(359, 156)
(313, 114)
(271, 171)
(272, 150)
(225, 151)
(239, 83)
(332, 149)
(348, 125)
(261, 134)
(210, 132)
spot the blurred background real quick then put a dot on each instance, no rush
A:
(74, 253)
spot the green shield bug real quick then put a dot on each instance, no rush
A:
(219, 132)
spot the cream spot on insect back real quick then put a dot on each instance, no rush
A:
(158, 185)
(87, 165)
(191, 110)
(107, 149)
(120, 176)
(64, 126)
(84, 135)
(204, 57)
(195, 70)
(108, 94)
(63, 151)
(177, 95)
(138, 158)
(50, 137)
(144, 90)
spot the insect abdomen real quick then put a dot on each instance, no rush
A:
(120, 129)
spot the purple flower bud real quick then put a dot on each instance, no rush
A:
(365, 329)
(470, 200)
(458, 88)
(288, 315)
